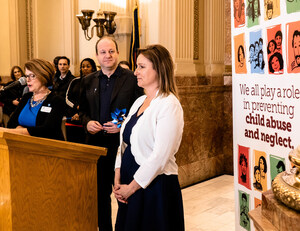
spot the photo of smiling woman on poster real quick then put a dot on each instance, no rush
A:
(276, 64)
(260, 171)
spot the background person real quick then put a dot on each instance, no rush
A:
(40, 111)
(74, 128)
(61, 82)
(146, 175)
(125, 64)
(103, 92)
(55, 64)
(11, 97)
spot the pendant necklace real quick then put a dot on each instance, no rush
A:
(36, 103)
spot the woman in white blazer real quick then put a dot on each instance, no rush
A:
(146, 174)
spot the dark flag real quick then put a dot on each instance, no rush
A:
(135, 39)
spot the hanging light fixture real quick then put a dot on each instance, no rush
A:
(102, 24)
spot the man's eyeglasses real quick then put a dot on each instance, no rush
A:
(31, 76)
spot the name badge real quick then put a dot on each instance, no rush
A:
(46, 109)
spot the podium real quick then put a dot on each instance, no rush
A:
(47, 184)
(274, 215)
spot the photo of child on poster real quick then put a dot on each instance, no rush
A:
(292, 6)
(244, 209)
(277, 165)
(240, 57)
(260, 171)
(274, 49)
(244, 167)
(239, 13)
(272, 9)
(253, 12)
(293, 47)
(256, 58)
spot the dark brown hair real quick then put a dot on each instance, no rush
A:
(163, 64)
(12, 75)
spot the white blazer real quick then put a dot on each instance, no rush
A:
(155, 138)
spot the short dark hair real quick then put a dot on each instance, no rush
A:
(63, 57)
(296, 33)
(278, 33)
(106, 37)
(256, 168)
(269, 6)
(251, 45)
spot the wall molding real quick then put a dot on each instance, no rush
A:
(29, 29)
(196, 29)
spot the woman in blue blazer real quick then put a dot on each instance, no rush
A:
(40, 111)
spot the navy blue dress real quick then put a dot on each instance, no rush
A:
(158, 207)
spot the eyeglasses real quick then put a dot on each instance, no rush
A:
(31, 76)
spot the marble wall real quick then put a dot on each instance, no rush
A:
(206, 148)
(227, 53)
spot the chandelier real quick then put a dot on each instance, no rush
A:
(102, 24)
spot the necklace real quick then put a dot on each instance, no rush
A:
(35, 103)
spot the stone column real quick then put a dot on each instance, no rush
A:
(181, 37)
(184, 56)
(214, 41)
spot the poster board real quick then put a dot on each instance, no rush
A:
(266, 96)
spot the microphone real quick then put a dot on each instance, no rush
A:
(22, 81)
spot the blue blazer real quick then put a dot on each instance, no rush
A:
(48, 124)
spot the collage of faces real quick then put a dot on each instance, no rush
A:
(260, 51)
(266, 42)
(261, 169)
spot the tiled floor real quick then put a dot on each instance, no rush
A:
(208, 206)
